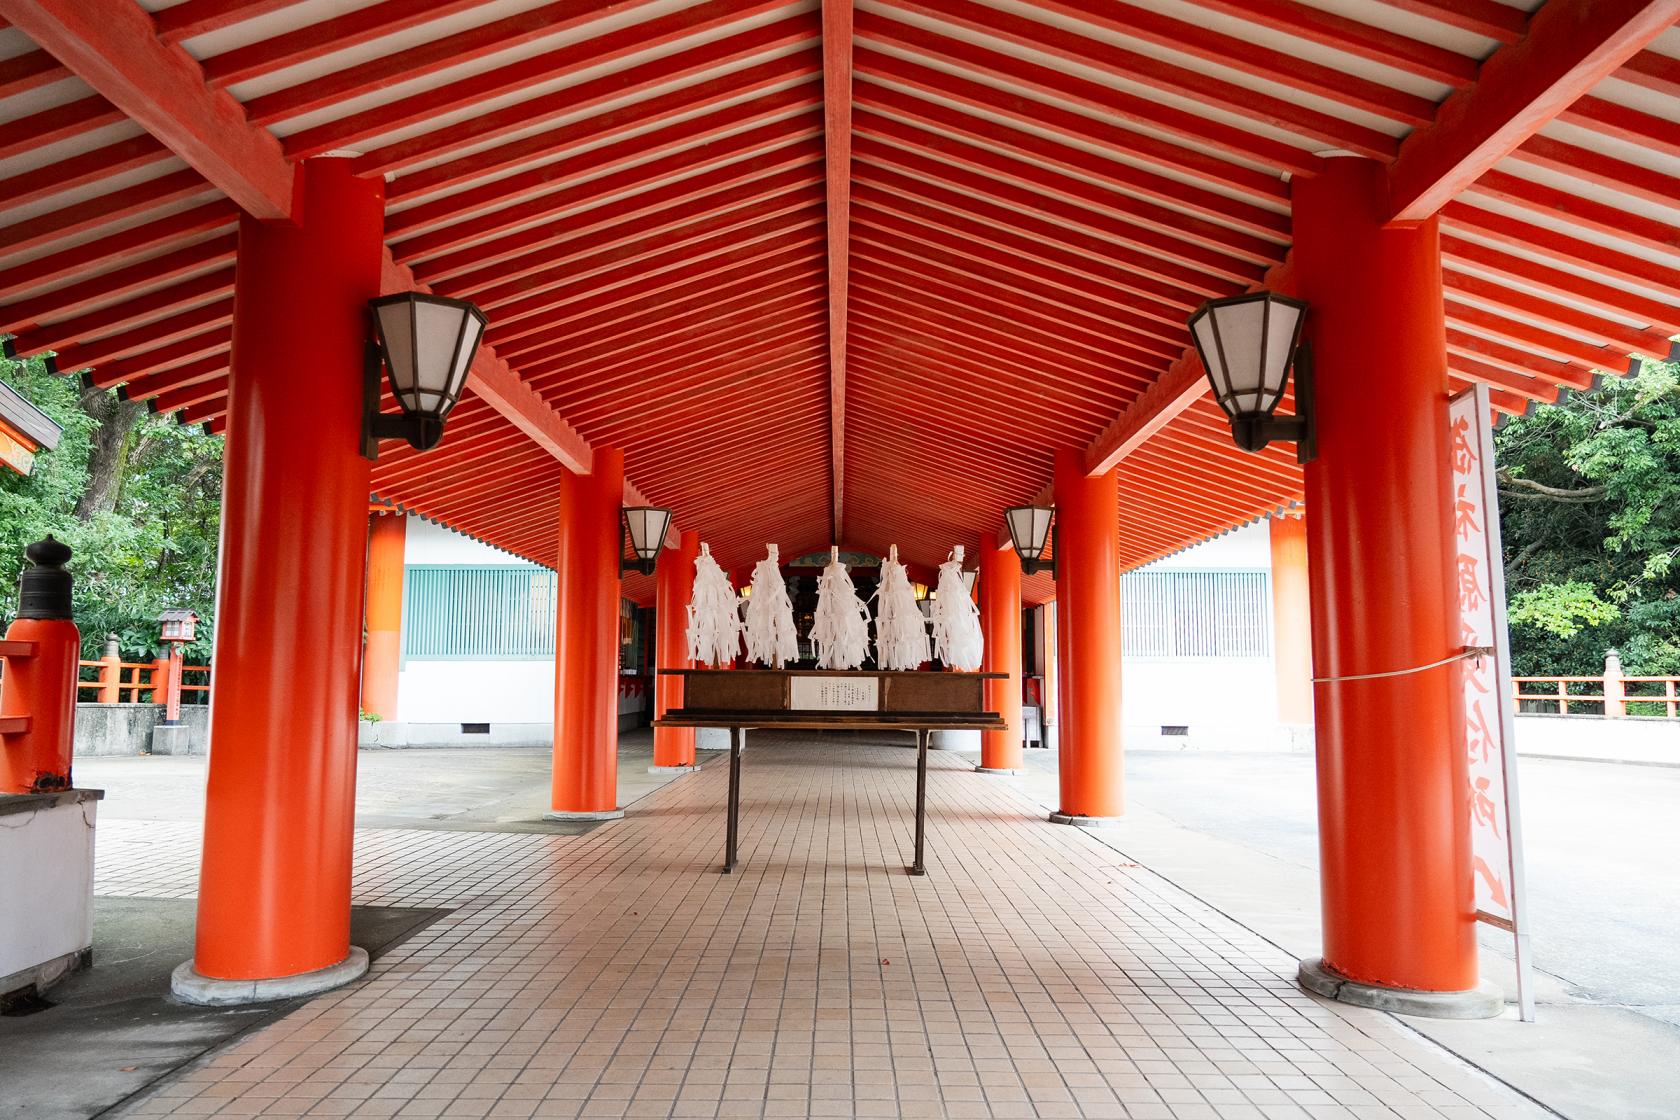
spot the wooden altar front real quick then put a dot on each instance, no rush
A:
(816, 699)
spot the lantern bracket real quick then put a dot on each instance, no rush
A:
(421, 432)
(1033, 567)
(1253, 433)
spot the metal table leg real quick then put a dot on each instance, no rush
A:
(922, 736)
(735, 736)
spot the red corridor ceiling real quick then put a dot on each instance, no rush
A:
(831, 269)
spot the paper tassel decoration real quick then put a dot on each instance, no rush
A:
(901, 637)
(771, 637)
(714, 627)
(840, 627)
(956, 620)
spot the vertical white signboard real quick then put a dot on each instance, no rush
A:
(1489, 741)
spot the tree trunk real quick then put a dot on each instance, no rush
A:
(105, 458)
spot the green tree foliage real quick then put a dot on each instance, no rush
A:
(1590, 493)
(137, 496)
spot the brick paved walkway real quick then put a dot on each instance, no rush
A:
(1033, 973)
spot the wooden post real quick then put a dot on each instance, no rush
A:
(110, 673)
(1615, 692)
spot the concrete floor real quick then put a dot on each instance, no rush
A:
(1239, 830)
(1032, 973)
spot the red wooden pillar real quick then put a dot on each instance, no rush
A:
(586, 600)
(1000, 621)
(1291, 621)
(274, 894)
(387, 535)
(1087, 554)
(673, 747)
(1392, 778)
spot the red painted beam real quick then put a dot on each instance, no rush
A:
(1569, 47)
(837, 150)
(113, 46)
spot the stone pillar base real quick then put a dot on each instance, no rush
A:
(596, 815)
(996, 770)
(1085, 822)
(1484, 1001)
(191, 986)
(672, 770)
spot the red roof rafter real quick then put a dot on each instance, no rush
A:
(837, 148)
(1569, 46)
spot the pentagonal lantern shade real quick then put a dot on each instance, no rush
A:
(1029, 530)
(648, 526)
(1246, 344)
(428, 342)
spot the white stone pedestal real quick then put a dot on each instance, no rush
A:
(46, 886)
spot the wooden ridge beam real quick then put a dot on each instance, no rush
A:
(837, 157)
(1569, 46)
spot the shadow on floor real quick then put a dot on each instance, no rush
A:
(112, 1030)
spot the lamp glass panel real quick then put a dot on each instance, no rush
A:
(1205, 333)
(437, 332)
(396, 332)
(1283, 323)
(471, 335)
(1242, 340)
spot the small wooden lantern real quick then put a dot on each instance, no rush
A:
(178, 625)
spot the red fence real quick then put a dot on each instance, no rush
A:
(1614, 696)
(112, 681)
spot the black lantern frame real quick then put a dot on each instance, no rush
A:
(1031, 551)
(1250, 408)
(422, 428)
(646, 551)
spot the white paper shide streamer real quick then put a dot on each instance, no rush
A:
(901, 637)
(714, 627)
(840, 628)
(771, 637)
(956, 620)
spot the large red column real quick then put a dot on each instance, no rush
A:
(274, 893)
(1392, 778)
(586, 641)
(1000, 624)
(1291, 621)
(1087, 555)
(387, 535)
(673, 747)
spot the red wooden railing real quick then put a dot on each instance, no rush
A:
(1616, 696)
(122, 682)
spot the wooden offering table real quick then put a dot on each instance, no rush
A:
(818, 699)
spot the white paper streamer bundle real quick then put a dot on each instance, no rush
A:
(956, 620)
(771, 637)
(901, 637)
(840, 628)
(714, 627)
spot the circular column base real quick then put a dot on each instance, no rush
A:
(671, 770)
(581, 815)
(1484, 1001)
(1085, 822)
(996, 770)
(191, 986)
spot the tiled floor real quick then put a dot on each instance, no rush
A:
(1032, 973)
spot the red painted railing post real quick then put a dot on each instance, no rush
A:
(41, 650)
(167, 678)
(110, 672)
(1615, 692)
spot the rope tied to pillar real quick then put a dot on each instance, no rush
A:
(1466, 654)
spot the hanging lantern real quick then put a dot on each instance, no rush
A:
(647, 527)
(1248, 344)
(1029, 532)
(426, 344)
